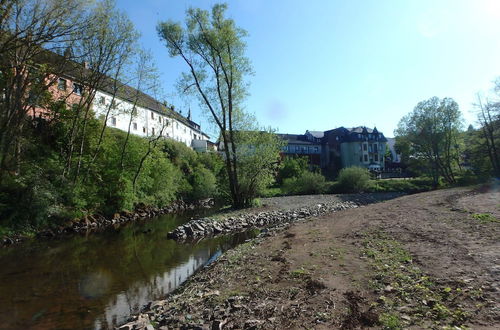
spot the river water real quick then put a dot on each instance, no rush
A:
(97, 281)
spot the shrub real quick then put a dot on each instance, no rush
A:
(204, 184)
(306, 183)
(354, 179)
(292, 168)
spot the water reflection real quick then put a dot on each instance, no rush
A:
(97, 281)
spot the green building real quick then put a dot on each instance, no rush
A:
(358, 146)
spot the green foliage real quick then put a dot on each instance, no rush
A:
(292, 167)
(484, 217)
(214, 50)
(430, 140)
(42, 196)
(353, 179)
(306, 183)
(204, 183)
(401, 185)
(257, 162)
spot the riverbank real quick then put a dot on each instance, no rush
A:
(97, 222)
(275, 211)
(426, 260)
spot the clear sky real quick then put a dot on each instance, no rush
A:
(324, 64)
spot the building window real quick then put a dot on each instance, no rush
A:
(159, 119)
(152, 115)
(152, 131)
(365, 147)
(370, 148)
(360, 159)
(113, 104)
(61, 84)
(360, 146)
(297, 148)
(135, 126)
(143, 129)
(375, 147)
(77, 89)
(376, 157)
(177, 125)
(113, 121)
(316, 149)
(366, 158)
(102, 100)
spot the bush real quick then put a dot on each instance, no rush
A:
(204, 184)
(292, 168)
(47, 192)
(306, 183)
(353, 179)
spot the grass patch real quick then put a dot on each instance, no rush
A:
(406, 295)
(484, 217)
(298, 273)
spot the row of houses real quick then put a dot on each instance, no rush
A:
(341, 147)
(126, 108)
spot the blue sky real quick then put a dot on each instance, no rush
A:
(324, 64)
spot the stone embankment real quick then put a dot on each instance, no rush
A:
(96, 222)
(199, 228)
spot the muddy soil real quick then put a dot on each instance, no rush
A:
(419, 261)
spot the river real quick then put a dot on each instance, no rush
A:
(97, 281)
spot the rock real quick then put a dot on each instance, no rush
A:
(388, 288)
(127, 326)
(253, 323)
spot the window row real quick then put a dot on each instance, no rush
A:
(364, 158)
(370, 147)
(62, 85)
(301, 149)
(370, 136)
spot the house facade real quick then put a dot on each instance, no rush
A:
(339, 148)
(147, 117)
(121, 106)
(302, 145)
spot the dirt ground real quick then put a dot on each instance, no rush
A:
(429, 260)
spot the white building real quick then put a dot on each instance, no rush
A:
(146, 117)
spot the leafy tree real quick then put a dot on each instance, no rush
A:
(430, 133)
(292, 167)
(212, 46)
(257, 162)
(28, 28)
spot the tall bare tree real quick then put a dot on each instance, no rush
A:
(488, 116)
(29, 30)
(212, 46)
